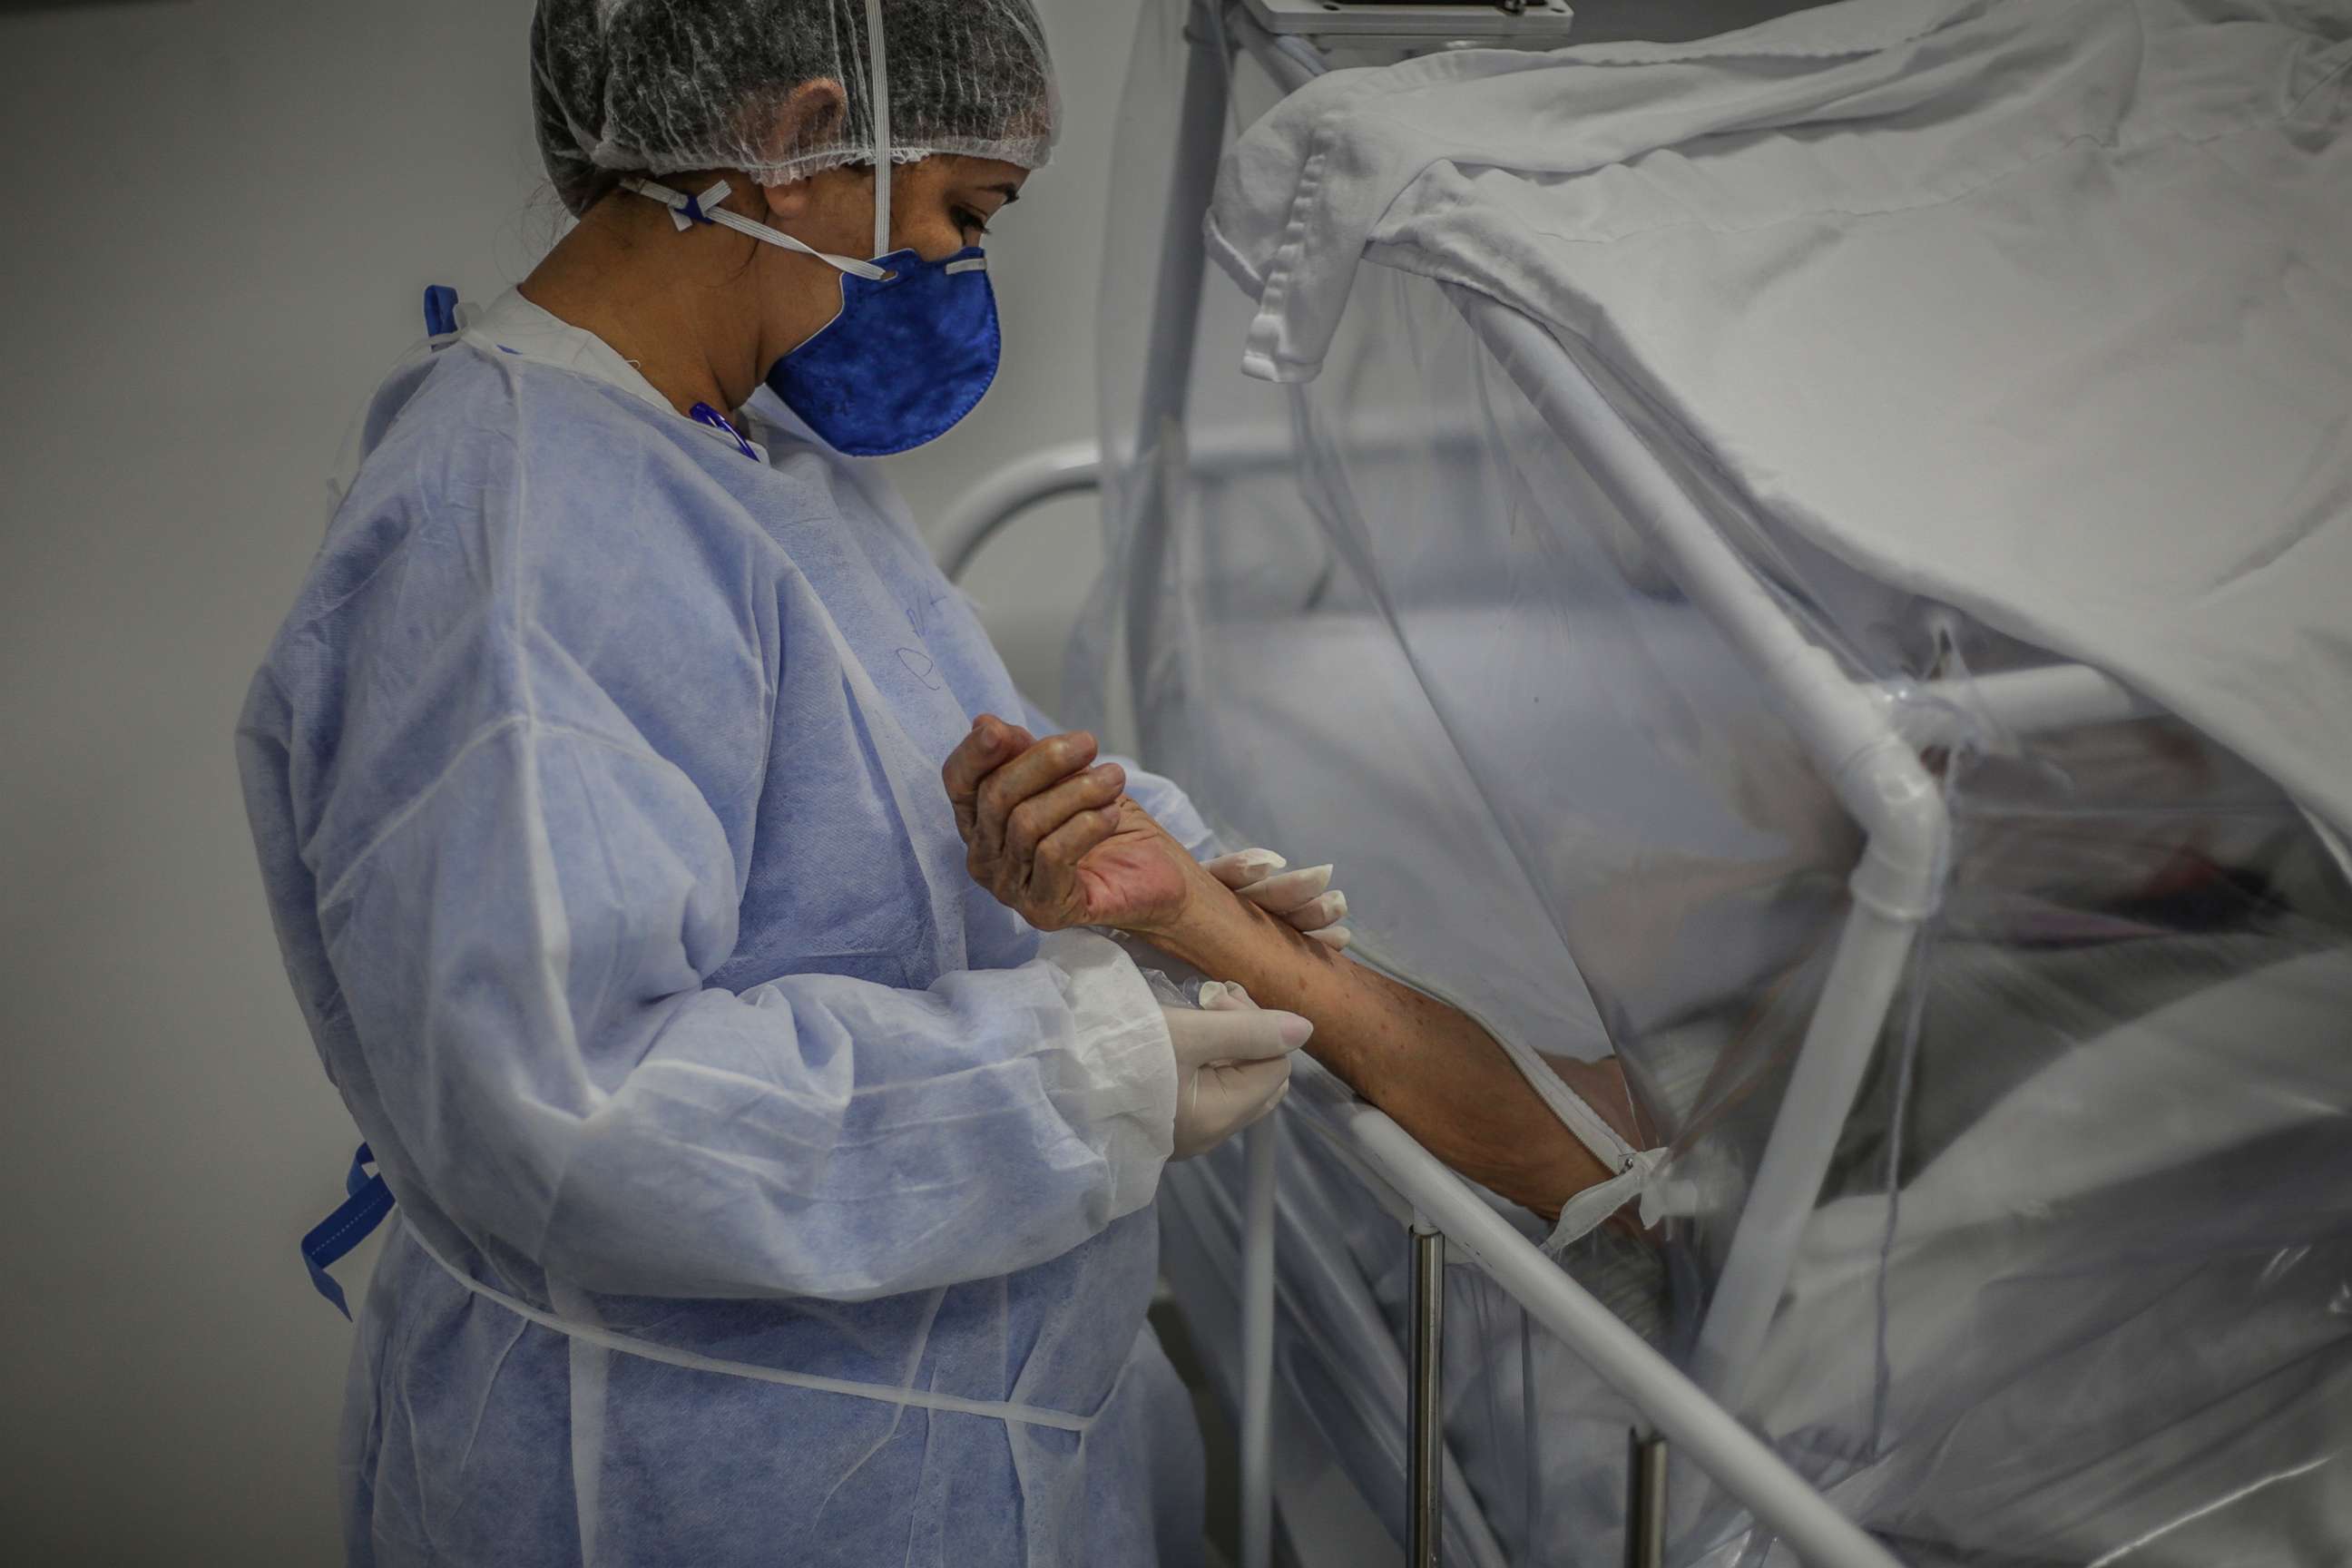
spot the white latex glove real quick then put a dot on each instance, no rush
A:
(1232, 1065)
(1305, 900)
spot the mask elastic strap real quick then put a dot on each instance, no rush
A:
(879, 88)
(686, 211)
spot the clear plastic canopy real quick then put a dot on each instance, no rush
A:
(660, 86)
(2074, 1286)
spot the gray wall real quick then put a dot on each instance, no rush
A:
(223, 218)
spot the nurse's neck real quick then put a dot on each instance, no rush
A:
(702, 313)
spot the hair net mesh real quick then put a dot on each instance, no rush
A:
(657, 87)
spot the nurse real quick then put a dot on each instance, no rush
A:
(770, 1189)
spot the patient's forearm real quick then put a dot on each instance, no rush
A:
(1436, 1071)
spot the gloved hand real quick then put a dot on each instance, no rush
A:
(1232, 1065)
(1305, 900)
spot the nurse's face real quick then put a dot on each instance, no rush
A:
(938, 205)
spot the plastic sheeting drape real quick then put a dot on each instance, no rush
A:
(2078, 1286)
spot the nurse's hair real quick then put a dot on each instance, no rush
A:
(659, 86)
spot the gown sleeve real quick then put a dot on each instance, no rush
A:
(523, 956)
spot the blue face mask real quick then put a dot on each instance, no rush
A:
(909, 356)
(912, 352)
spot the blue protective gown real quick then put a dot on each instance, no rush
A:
(595, 781)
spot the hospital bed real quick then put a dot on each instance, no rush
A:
(1994, 1017)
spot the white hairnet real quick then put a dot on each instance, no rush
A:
(658, 86)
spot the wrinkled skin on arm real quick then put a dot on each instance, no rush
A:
(1440, 1075)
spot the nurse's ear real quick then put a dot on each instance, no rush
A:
(810, 115)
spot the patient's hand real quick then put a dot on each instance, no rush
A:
(1056, 840)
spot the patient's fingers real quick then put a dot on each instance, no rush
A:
(1027, 776)
(991, 743)
(1049, 882)
(1036, 819)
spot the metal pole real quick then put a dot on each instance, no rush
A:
(1176, 316)
(1261, 1145)
(1704, 1432)
(1424, 1503)
(1645, 1501)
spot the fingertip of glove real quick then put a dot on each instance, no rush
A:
(1247, 866)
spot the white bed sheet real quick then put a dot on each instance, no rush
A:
(2078, 1262)
(2043, 308)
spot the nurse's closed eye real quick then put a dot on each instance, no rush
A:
(974, 222)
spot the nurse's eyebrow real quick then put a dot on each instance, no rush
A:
(1008, 191)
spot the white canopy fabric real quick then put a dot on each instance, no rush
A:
(2043, 309)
